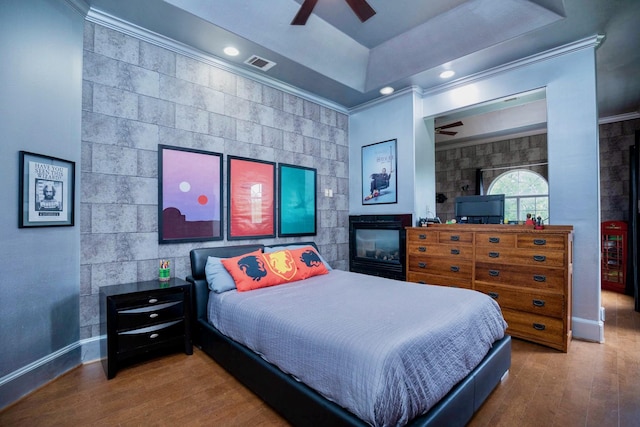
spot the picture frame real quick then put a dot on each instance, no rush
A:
(250, 198)
(297, 201)
(379, 176)
(47, 188)
(189, 195)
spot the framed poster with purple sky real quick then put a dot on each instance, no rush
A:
(189, 195)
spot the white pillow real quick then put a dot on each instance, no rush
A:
(218, 277)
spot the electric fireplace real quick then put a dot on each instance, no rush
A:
(377, 244)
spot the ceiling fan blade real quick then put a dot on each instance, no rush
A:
(304, 12)
(450, 125)
(446, 132)
(362, 9)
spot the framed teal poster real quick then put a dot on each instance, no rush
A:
(297, 201)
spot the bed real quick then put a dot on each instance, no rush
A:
(347, 375)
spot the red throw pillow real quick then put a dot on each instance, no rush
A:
(257, 270)
(249, 271)
(309, 262)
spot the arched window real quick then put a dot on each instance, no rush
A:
(525, 192)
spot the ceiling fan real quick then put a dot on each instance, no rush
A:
(439, 129)
(360, 7)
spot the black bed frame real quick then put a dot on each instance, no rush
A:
(301, 405)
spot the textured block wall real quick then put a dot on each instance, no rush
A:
(615, 140)
(137, 95)
(456, 167)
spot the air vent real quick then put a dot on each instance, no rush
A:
(261, 63)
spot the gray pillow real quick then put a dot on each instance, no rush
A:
(218, 277)
(269, 249)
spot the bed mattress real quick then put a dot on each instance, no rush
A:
(385, 350)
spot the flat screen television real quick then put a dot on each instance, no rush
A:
(480, 209)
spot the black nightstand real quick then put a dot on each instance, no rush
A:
(143, 319)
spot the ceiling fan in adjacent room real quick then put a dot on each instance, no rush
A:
(440, 129)
(360, 7)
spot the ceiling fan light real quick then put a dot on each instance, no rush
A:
(387, 90)
(447, 74)
(231, 51)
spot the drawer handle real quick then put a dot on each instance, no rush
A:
(494, 254)
(493, 295)
(494, 273)
(422, 249)
(153, 300)
(539, 258)
(539, 242)
(539, 326)
(455, 251)
(422, 236)
(421, 282)
(153, 336)
(455, 268)
(494, 240)
(538, 302)
(539, 278)
(422, 264)
(153, 315)
(455, 238)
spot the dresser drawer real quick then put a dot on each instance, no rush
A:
(152, 335)
(542, 241)
(149, 315)
(496, 240)
(533, 327)
(434, 279)
(455, 237)
(519, 276)
(525, 257)
(441, 266)
(422, 235)
(545, 304)
(453, 251)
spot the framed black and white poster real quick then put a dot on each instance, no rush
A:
(379, 180)
(46, 191)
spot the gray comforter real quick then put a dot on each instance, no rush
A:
(385, 350)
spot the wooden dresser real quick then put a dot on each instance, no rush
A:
(528, 272)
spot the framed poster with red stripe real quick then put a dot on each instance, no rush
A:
(250, 198)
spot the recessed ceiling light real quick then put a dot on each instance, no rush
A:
(231, 51)
(388, 90)
(447, 74)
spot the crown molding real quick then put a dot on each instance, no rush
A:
(125, 27)
(619, 118)
(588, 42)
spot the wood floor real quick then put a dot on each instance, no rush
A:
(593, 385)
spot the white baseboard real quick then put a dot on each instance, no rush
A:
(25, 380)
(588, 330)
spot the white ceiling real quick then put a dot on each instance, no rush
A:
(407, 43)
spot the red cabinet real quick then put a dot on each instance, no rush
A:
(614, 255)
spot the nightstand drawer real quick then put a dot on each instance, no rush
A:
(145, 299)
(145, 337)
(134, 318)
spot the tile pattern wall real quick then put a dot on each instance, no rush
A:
(137, 95)
(615, 140)
(456, 167)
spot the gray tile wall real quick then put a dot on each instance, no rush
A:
(456, 167)
(615, 140)
(137, 95)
